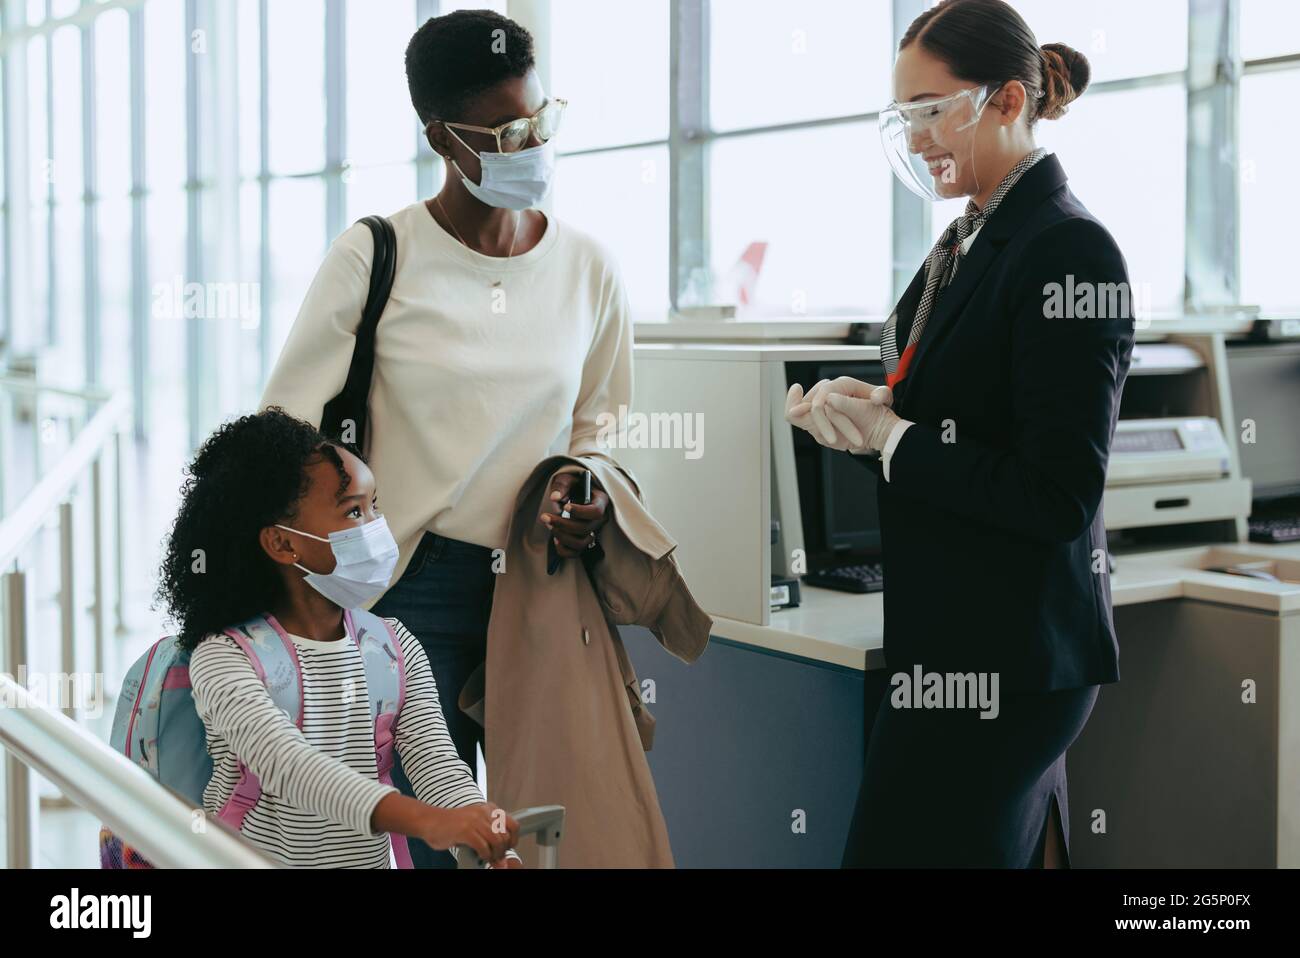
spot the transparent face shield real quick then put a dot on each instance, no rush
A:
(931, 143)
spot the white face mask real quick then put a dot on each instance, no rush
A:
(512, 181)
(364, 559)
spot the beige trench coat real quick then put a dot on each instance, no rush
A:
(564, 719)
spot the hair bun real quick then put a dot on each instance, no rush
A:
(1066, 74)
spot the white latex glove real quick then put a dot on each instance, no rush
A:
(873, 421)
(798, 410)
(829, 425)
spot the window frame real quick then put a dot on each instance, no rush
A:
(1212, 80)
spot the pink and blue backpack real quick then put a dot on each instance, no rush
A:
(157, 726)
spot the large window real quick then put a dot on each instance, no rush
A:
(613, 69)
(1121, 38)
(1267, 145)
(796, 162)
(112, 105)
(1269, 28)
(1140, 198)
(774, 62)
(6, 222)
(621, 198)
(827, 235)
(37, 171)
(295, 85)
(229, 141)
(614, 176)
(162, 330)
(382, 131)
(66, 172)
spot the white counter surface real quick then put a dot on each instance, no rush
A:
(757, 352)
(840, 628)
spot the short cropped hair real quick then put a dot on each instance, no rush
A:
(457, 56)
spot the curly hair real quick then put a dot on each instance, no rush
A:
(249, 474)
(457, 56)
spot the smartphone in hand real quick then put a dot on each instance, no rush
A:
(583, 498)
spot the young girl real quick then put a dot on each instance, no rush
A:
(278, 521)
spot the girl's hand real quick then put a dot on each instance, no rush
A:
(483, 827)
(578, 532)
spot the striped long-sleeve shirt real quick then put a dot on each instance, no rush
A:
(320, 784)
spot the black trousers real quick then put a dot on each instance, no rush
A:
(946, 788)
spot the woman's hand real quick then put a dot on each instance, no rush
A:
(798, 408)
(871, 420)
(578, 532)
(842, 427)
(483, 827)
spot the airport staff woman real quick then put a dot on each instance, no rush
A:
(504, 340)
(992, 458)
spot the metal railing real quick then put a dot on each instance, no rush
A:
(52, 496)
(148, 817)
(54, 493)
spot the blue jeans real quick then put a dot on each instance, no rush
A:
(444, 598)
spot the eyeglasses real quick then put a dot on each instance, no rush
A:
(926, 114)
(929, 113)
(512, 136)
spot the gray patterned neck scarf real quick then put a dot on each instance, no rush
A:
(940, 270)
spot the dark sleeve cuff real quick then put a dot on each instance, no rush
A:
(871, 462)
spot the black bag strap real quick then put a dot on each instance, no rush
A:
(352, 401)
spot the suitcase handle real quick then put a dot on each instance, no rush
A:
(544, 821)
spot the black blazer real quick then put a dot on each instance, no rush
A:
(991, 521)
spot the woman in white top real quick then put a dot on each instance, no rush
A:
(504, 340)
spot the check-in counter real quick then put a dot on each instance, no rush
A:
(1192, 759)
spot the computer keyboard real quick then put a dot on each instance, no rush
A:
(865, 577)
(1275, 529)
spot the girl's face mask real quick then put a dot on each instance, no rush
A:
(364, 559)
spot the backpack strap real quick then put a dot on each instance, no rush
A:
(136, 689)
(381, 653)
(275, 660)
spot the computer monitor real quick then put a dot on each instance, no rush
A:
(837, 496)
(1265, 385)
